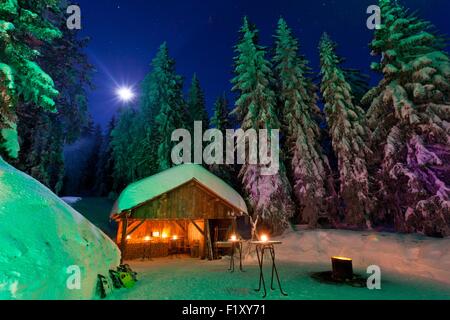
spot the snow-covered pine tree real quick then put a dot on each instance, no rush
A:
(221, 114)
(196, 105)
(23, 26)
(268, 195)
(167, 94)
(309, 168)
(360, 84)
(221, 120)
(409, 116)
(349, 136)
(71, 81)
(124, 147)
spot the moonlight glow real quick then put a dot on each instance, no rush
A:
(125, 94)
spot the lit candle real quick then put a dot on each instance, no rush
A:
(264, 238)
(147, 238)
(233, 237)
(175, 238)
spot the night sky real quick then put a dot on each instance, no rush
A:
(125, 35)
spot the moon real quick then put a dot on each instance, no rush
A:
(125, 94)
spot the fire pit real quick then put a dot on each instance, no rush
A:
(342, 273)
(342, 268)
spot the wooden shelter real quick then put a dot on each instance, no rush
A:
(183, 209)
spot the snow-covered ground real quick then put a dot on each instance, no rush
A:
(188, 278)
(410, 255)
(410, 265)
(43, 241)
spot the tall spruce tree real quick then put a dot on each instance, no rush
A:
(349, 136)
(309, 168)
(360, 84)
(167, 93)
(71, 82)
(221, 121)
(221, 114)
(410, 115)
(268, 195)
(196, 104)
(23, 27)
(124, 147)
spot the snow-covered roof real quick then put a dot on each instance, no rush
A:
(149, 188)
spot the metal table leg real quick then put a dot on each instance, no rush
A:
(261, 273)
(231, 268)
(274, 269)
(240, 256)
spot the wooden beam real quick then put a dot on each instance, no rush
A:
(136, 227)
(198, 228)
(181, 226)
(209, 245)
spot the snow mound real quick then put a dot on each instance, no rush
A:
(414, 255)
(42, 239)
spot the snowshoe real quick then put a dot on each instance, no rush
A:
(104, 287)
(115, 278)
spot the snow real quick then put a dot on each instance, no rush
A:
(154, 186)
(41, 237)
(412, 267)
(71, 200)
(410, 255)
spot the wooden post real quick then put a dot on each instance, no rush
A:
(123, 240)
(234, 224)
(208, 242)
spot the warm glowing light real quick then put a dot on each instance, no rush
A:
(164, 235)
(264, 238)
(233, 237)
(175, 238)
(125, 94)
(156, 234)
(147, 238)
(341, 258)
(128, 237)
